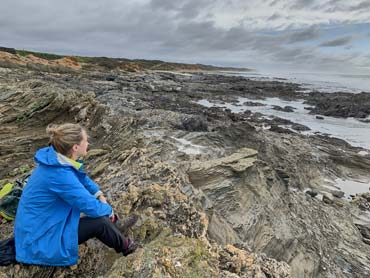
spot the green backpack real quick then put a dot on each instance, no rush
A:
(10, 195)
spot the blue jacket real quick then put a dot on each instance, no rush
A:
(48, 214)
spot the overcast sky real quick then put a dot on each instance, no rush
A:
(304, 35)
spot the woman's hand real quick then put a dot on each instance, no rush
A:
(102, 199)
(113, 218)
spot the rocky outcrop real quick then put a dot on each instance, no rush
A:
(235, 208)
(201, 172)
(340, 104)
(172, 226)
(173, 256)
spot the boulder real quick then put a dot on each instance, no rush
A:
(338, 193)
(327, 198)
(226, 166)
(312, 193)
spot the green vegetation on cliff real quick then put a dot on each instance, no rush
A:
(127, 64)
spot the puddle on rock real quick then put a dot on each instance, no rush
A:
(350, 187)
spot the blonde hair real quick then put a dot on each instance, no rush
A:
(64, 136)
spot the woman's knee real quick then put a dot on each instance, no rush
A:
(105, 220)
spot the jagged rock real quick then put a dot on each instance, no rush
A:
(193, 123)
(362, 201)
(364, 230)
(282, 173)
(219, 230)
(312, 193)
(173, 205)
(226, 166)
(328, 198)
(81, 116)
(338, 194)
(95, 152)
(168, 256)
(247, 264)
(99, 169)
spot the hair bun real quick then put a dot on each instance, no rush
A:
(52, 130)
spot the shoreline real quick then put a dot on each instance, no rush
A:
(320, 82)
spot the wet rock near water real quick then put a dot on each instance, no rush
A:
(340, 104)
(288, 109)
(252, 103)
(299, 127)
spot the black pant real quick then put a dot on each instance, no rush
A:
(103, 229)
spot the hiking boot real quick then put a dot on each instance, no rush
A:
(131, 246)
(127, 223)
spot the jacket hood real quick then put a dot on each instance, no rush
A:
(48, 156)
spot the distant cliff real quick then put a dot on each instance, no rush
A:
(10, 57)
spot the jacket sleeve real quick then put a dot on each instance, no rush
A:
(91, 186)
(76, 195)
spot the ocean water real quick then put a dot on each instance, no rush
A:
(310, 81)
(351, 130)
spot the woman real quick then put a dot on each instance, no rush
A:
(48, 227)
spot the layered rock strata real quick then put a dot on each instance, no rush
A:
(217, 194)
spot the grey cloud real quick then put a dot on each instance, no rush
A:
(361, 6)
(299, 4)
(164, 4)
(274, 2)
(304, 35)
(195, 37)
(288, 54)
(331, 6)
(336, 6)
(193, 8)
(337, 42)
(266, 43)
(274, 16)
(186, 9)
